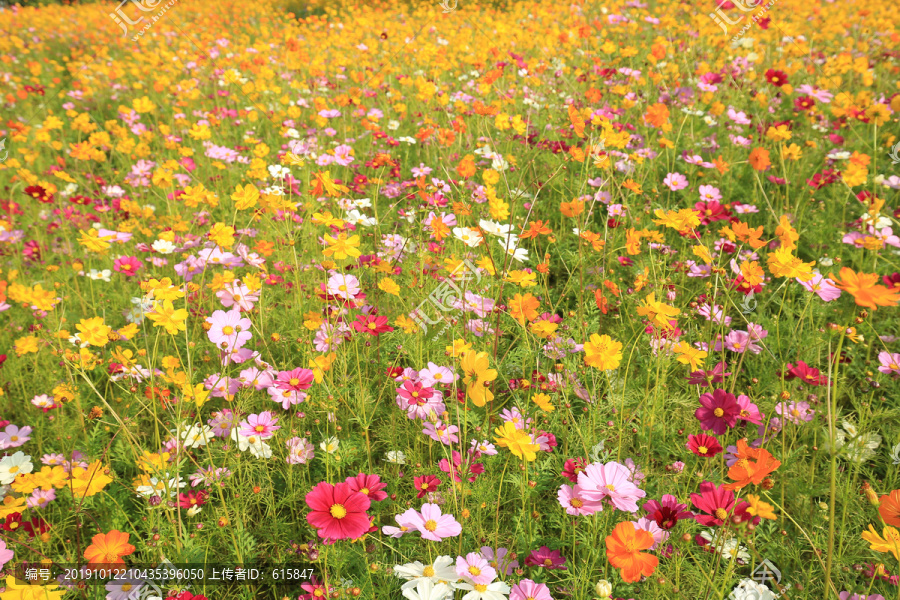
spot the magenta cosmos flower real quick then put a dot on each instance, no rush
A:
(296, 380)
(433, 525)
(717, 502)
(704, 445)
(718, 412)
(228, 329)
(337, 512)
(610, 481)
(371, 325)
(370, 485)
(127, 265)
(549, 559)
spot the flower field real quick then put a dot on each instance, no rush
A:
(450, 300)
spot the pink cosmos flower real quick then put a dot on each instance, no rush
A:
(475, 569)
(343, 285)
(675, 181)
(659, 534)
(710, 193)
(442, 432)
(220, 386)
(287, 398)
(13, 436)
(370, 485)
(749, 411)
(296, 380)
(229, 330)
(127, 265)
(795, 412)
(500, 559)
(300, 451)
(610, 481)
(822, 287)
(435, 526)
(527, 589)
(890, 363)
(406, 522)
(571, 498)
(238, 294)
(256, 377)
(262, 425)
(435, 375)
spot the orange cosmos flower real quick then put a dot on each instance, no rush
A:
(865, 290)
(108, 548)
(623, 549)
(889, 509)
(759, 159)
(753, 465)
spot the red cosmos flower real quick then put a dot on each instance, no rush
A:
(704, 445)
(712, 211)
(425, 484)
(741, 285)
(13, 522)
(192, 499)
(891, 281)
(667, 512)
(368, 485)
(804, 103)
(714, 500)
(719, 411)
(337, 512)
(39, 193)
(155, 393)
(371, 325)
(804, 372)
(36, 526)
(127, 265)
(776, 78)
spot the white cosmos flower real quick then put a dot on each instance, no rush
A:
(469, 237)
(196, 436)
(442, 570)
(425, 589)
(163, 247)
(494, 591)
(396, 456)
(499, 229)
(12, 466)
(330, 445)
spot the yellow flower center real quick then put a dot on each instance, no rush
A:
(364, 491)
(428, 571)
(576, 503)
(703, 449)
(294, 381)
(611, 487)
(431, 525)
(228, 330)
(475, 571)
(480, 587)
(718, 412)
(14, 469)
(721, 514)
(338, 511)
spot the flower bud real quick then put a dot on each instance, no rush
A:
(604, 588)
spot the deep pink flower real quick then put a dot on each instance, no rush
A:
(371, 325)
(805, 373)
(127, 265)
(549, 559)
(718, 412)
(369, 485)
(716, 501)
(337, 512)
(296, 380)
(704, 445)
(426, 484)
